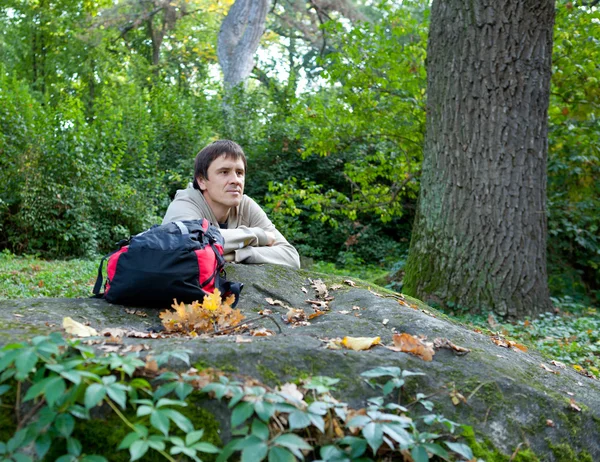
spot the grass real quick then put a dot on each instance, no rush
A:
(28, 276)
(570, 335)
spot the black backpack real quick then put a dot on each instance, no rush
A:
(182, 260)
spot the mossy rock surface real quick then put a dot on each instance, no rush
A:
(510, 397)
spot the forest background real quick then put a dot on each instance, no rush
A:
(103, 106)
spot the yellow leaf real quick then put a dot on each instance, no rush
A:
(360, 343)
(75, 328)
(410, 344)
(212, 301)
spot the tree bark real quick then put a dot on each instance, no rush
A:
(479, 238)
(239, 38)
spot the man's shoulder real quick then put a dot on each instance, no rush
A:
(188, 193)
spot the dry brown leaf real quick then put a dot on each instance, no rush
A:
(139, 313)
(336, 287)
(357, 315)
(109, 348)
(17, 315)
(290, 390)
(549, 423)
(356, 308)
(333, 344)
(456, 398)
(445, 343)
(316, 314)
(343, 311)
(360, 343)
(385, 321)
(547, 369)
(318, 304)
(135, 348)
(113, 332)
(573, 405)
(402, 302)
(320, 288)
(518, 346)
(295, 315)
(558, 364)
(303, 289)
(151, 364)
(262, 332)
(240, 339)
(270, 301)
(76, 328)
(410, 344)
(350, 283)
(375, 293)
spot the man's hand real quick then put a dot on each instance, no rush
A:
(270, 237)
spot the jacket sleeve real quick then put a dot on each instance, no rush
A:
(249, 243)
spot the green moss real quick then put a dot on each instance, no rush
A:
(7, 421)
(487, 451)
(268, 376)
(102, 435)
(565, 453)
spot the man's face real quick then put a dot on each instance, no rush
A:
(225, 184)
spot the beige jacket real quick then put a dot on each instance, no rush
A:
(245, 238)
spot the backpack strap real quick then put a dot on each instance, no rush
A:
(182, 228)
(98, 284)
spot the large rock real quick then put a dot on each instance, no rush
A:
(511, 397)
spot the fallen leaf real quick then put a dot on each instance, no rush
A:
(76, 328)
(295, 315)
(385, 321)
(350, 283)
(573, 405)
(151, 364)
(428, 313)
(343, 311)
(316, 314)
(17, 315)
(262, 332)
(445, 343)
(376, 294)
(270, 301)
(320, 288)
(410, 344)
(357, 315)
(140, 313)
(318, 304)
(356, 308)
(492, 321)
(558, 364)
(360, 343)
(240, 339)
(290, 390)
(333, 344)
(336, 287)
(456, 398)
(113, 332)
(402, 302)
(549, 423)
(41, 284)
(547, 369)
(135, 348)
(303, 289)
(518, 346)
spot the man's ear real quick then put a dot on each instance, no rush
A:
(201, 183)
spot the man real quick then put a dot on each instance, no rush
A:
(217, 194)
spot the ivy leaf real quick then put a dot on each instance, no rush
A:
(241, 413)
(382, 372)
(93, 395)
(42, 445)
(25, 362)
(278, 454)
(373, 433)
(419, 454)
(294, 443)
(73, 446)
(461, 449)
(138, 449)
(64, 424)
(160, 421)
(261, 430)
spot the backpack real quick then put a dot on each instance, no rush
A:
(181, 260)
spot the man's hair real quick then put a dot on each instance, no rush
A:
(211, 152)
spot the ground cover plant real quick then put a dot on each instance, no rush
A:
(51, 386)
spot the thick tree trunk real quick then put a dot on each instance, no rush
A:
(239, 38)
(479, 239)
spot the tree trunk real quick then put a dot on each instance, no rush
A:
(239, 38)
(479, 239)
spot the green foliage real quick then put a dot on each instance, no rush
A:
(26, 277)
(570, 335)
(63, 381)
(574, 154)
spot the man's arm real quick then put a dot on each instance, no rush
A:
(270, 245)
